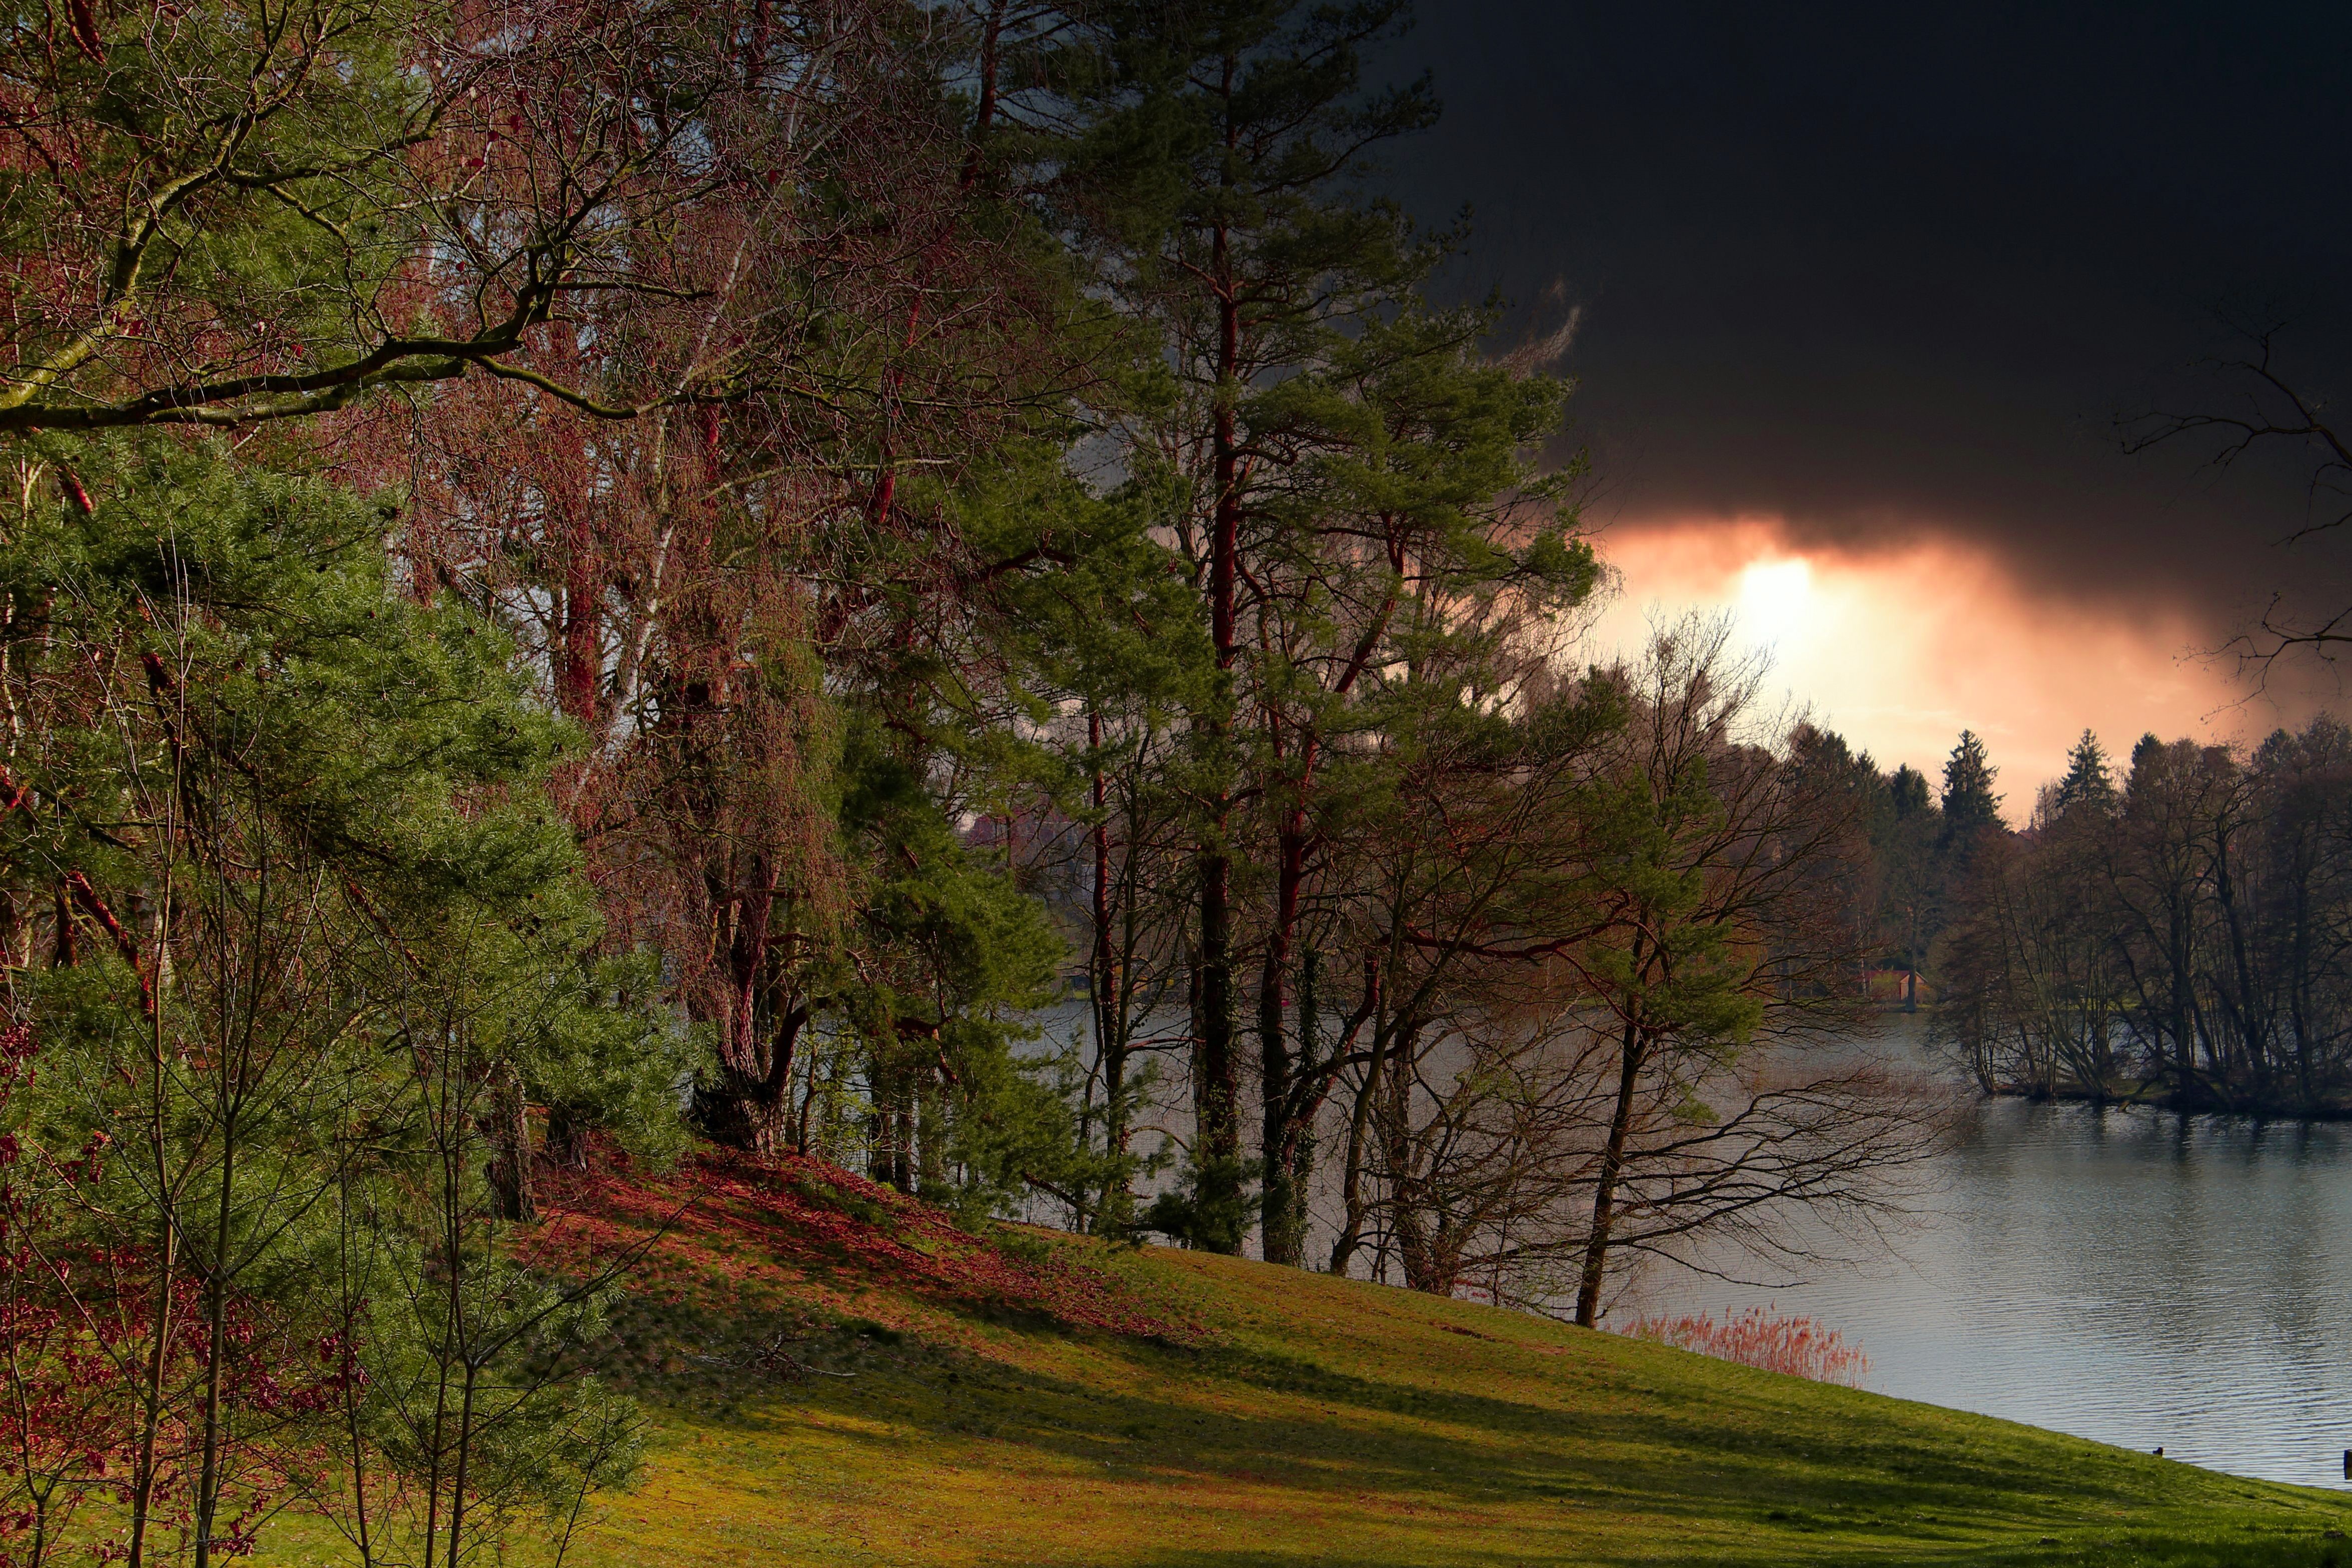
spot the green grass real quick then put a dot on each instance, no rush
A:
(1320, 1420)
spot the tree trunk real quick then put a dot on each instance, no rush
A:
(1613, 1167)
(1408, 1193)
(510, 1170)
(1104, 980)
(64, 956)
(1352, 1207)
(902, 1136)
(1217, 1089)
(751, 1106)
(931, 1139)
(1282, 1227)
(1288, 1136)
(581, 662)
(1215, 1065)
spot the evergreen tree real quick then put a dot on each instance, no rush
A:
(1217, 181)
(312, 944)
(1970, 806)
(1906, 790)
(2089, 781)
(1904, 839)
(1356, 477)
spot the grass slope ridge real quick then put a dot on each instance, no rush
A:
(839, 1376)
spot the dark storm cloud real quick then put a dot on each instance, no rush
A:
(1892, 269)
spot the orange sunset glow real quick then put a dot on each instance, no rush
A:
(1900, 648)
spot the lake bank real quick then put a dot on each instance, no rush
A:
(2154, 1096)
(2131, 1274)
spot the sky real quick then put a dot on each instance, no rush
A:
(1862, 296)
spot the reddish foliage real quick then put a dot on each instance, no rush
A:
(820, 1225)
(1796, 1346)
(64, 1432)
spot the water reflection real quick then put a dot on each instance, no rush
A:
(2127, 1275)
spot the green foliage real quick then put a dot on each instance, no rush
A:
(178, 104)
(956, 959)
(604, 1056)
(481, 1365)
(1159, 172)
(333, 931)
(1209, 1209)
(1907, 792)
(1111, 536)
(1097, 609)
(1681, 970)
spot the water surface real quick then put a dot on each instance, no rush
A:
(2127, 1275)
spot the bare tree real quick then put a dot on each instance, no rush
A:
(1641, 1043)
(2263, 412)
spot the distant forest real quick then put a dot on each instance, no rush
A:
(2183, 932)
(2178, 930)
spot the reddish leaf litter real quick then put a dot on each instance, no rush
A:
(816, 1229)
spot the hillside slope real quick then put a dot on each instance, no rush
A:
(838, 1376)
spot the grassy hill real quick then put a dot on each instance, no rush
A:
(839, 1376)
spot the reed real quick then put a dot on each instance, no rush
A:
(1796, 1346)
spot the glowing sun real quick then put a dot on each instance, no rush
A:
(1776, 599)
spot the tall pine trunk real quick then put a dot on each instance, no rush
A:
(1215, 1063)
(1283, 1226)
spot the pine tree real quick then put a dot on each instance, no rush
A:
(1357, 475)
(313, 948)
(1970, 804)
(1215, 182)
(2089, 781)
(1908, 788)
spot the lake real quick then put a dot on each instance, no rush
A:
(2127, 1275)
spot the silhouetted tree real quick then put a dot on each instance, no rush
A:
(2089, 783)
(1970, 804)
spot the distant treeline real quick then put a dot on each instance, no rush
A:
(2183, 936)
(1912, 846)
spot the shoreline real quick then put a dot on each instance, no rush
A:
(2146, 1095)
(2145, 1098)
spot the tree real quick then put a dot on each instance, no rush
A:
(310, 933)
(1417, 531)
(715, 588)
(2155, 875)
(2189, 942)
(2029, 966)
(1106, 643)
(236, 213)
(1907, 791)
(1215, 184)
(1588, 1011)
(1720, 936)
(1461, 889)
(1351, 467)
(2088, 784)
(1969, 805)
